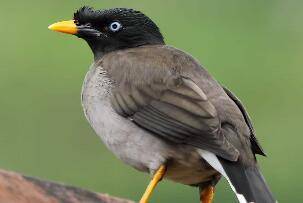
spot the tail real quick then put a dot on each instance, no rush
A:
(248, 183)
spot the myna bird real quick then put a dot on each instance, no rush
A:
(158, 110)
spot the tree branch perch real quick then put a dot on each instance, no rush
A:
(17, 188)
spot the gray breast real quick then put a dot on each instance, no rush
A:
(130, 143)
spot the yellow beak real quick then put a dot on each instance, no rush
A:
(68, 27)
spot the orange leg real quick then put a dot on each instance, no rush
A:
(207, 194)
(153, 183)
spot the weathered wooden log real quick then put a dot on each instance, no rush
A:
(17, 188)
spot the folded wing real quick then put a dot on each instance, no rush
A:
(176, 110)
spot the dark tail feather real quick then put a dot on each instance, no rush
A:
(248, 181)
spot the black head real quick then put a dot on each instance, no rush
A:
(114, 29)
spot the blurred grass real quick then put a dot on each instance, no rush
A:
(253, 47)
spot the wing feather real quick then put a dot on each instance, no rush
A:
(161, 89)
(178, 112)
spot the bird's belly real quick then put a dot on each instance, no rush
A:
(189, 168)
(146, 152)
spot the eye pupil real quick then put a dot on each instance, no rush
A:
(115, 26)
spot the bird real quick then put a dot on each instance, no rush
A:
(160, 111)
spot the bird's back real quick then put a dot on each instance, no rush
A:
(159, 63)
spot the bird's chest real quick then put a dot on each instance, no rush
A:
(119, 134)
(96, 93)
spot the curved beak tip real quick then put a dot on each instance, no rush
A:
(68, 27)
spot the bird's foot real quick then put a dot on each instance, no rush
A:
(153, 183)
(207, 194)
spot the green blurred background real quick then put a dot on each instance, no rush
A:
(253, 47)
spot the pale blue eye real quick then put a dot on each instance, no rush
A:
(115, 26)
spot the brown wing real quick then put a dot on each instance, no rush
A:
(255, 145)
(176, 110)
(165, 91)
